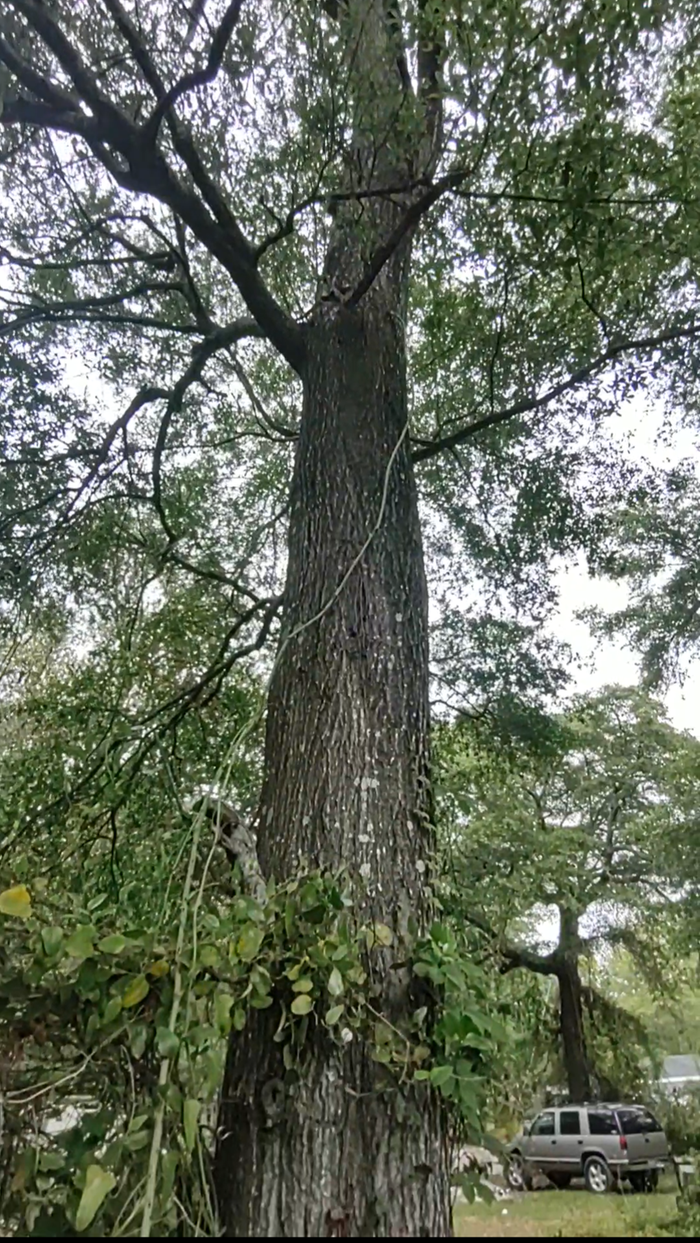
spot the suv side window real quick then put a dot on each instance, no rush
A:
(637, 1121)
(569, 1122)
(544, 1125)
(600, 1123)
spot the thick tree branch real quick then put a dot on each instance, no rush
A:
(515, 956)
(217, 340)
(199, 77)
(642, 345)
(408, 222)
(113, 137)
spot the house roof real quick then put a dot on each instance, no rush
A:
(681, 1067)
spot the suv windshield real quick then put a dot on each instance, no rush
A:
(637, 1121)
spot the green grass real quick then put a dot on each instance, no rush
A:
(567, 1214)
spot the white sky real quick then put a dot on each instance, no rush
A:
(606, 662)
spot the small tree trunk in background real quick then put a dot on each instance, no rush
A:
(571, 1010)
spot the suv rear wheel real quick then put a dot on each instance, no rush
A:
(597, 1176)
(647, 1181)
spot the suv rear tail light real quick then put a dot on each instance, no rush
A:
(623, 1143)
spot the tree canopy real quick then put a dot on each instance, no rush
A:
(311, 313)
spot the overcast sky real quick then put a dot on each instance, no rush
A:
(639, 426)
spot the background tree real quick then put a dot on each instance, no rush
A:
(369, 239)
(589, 829)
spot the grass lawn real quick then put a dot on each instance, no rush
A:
(568, 1214)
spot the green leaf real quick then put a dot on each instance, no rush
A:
(335, 983)
(98, 1184)
(138, 1039)
(302, 1004)
(190, 1119)
(16, 902)
(168, 1165)
(52, 939)
(135, 993)
(51, 1161)
(381, 1054)
(440, 1075)
(113, 944)
(112, 1009)
(137, 1141)
(249, 943)
(167, 1042)
(334, 1014)
(383, 934)
(222, 1010)
(80, 943)
(305, 985)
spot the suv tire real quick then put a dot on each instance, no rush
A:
(597, 1176)
(515, 1174)
(645, 1182)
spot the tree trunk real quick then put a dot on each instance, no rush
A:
(571, 1011)
(346, 783)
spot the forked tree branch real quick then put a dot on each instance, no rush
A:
(641, 345)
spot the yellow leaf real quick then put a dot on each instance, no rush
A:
(159, 968)
(16, 901)
(136, 992)
(383, 934)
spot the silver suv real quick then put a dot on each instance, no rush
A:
(603, 1144)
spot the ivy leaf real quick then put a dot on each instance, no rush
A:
(138, 1039)
(113, 944)
(16, 902)
(80, 943)
(249, 943)
(381, 1054)
(167, 1042)
(335, 983)
(305, 985)
(439, 1075)
(334, 1014)
(158, 969)
(383, 934)
(98, 1184)
(222, 1011)
(52, 939)
(112, 1009)
(302, 1004)
(190, 1118)
(137, 990)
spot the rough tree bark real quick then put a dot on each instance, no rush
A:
(345, 1152)
(346, 783)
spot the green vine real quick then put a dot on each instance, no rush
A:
(116, 1070)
